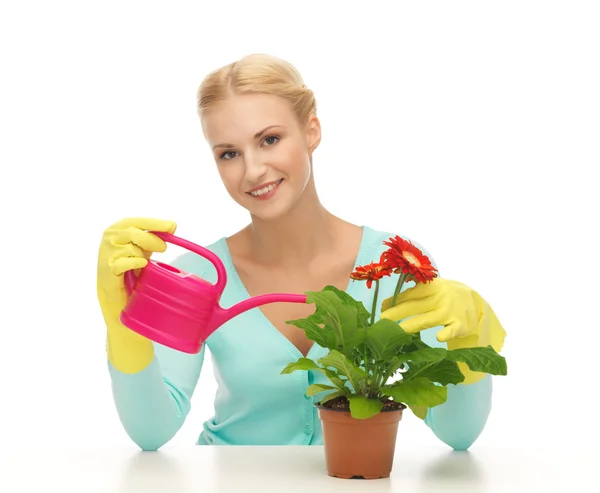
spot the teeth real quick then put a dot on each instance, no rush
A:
(264, 190)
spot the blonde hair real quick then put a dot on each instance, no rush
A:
(257, 74)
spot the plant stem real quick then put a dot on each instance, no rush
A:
(366, 368)
(383, 378)
(373, 308)
(388, 374)
(398, 288)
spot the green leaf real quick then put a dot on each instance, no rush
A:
(355, 375)
(338, 311)
(362, 313)
(482, 359)
(304, 364)
(317, 388)
(427, 355)
(333, 395)
(419, 411)
(418, 360)
(333, 378)
(301, 364)
(362, 408)
(443, 372)
(323, 336)
(417, 343)
(385, 338)
(417, 392)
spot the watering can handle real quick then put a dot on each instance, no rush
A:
(188, 245)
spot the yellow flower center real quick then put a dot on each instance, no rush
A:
(411, 259)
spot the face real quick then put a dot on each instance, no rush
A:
(262, 152)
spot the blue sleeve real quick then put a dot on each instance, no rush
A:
(153, 404)
(460, 420)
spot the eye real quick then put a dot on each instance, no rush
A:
(269, 140)
(227, 153)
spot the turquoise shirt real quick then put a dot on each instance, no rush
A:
(254, 403)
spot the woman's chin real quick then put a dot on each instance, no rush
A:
(270, 212)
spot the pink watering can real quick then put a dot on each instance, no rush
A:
(180, 310)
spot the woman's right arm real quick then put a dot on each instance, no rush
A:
(152, 384)
(154, 402)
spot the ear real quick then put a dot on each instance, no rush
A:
(313, 133)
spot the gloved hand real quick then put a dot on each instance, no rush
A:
(467, 319)
(126, 245)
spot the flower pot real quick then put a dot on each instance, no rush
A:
(359, 448)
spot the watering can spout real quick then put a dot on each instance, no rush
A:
(223, 315)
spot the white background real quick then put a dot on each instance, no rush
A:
(471, 127)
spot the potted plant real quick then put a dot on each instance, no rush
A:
(376, 370)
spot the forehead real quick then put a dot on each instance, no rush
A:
(241, 116)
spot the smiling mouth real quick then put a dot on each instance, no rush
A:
(262, 191)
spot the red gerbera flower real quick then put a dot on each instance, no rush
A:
(371, 272)
(405, 258)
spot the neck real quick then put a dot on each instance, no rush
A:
(305, 233)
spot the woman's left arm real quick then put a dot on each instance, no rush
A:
(450, 314)
(461, 419)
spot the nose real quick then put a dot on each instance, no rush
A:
(256, 168)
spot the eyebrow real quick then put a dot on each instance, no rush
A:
(256, 136)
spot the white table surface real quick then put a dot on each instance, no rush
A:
(206, 469)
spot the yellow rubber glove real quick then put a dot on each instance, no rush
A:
(468, 320)
(126, 245)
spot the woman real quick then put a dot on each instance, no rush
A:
(260, 121)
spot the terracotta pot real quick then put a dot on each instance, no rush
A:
(359, 448)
